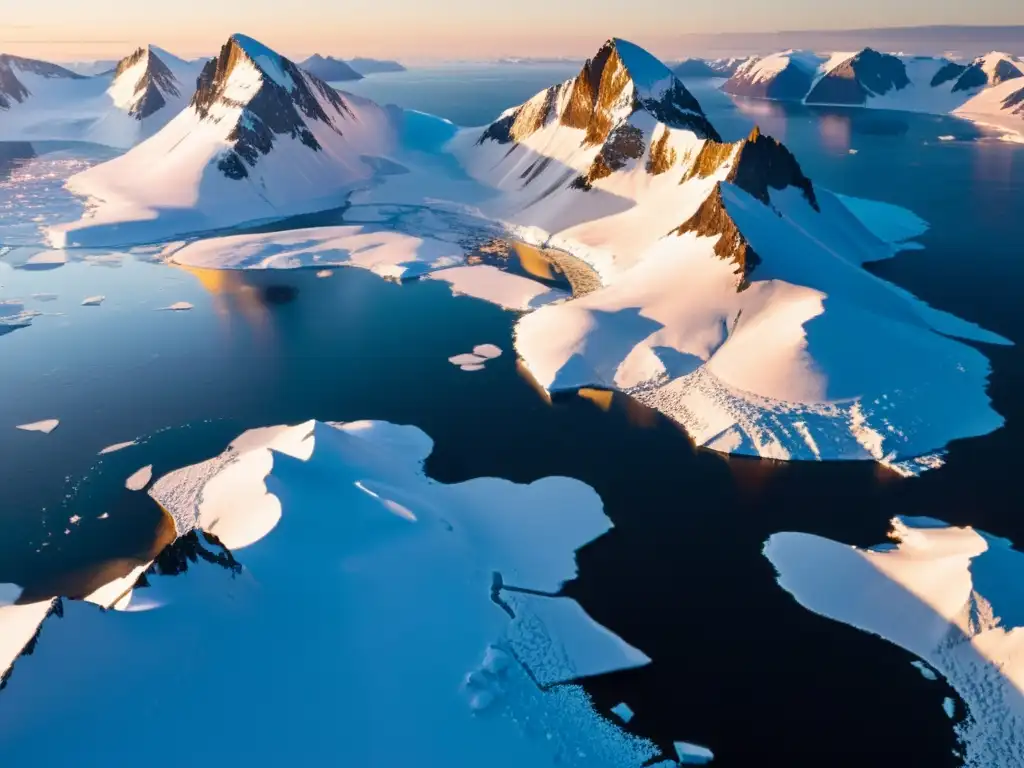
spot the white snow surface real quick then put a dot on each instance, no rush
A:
(393, 609)
(139, 479)
(951, 596)
(759, 69)
(46, 426)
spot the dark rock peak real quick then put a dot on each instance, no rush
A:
(949, 71)
(41, 68)
(761, 163)
(156, 83)
(330, 69)
(974, 76)
(274, 109)
(600, 86)
(867, 73)
(713, 220)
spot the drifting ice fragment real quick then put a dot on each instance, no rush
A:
(140, 479)
(46, 426)
(691, 754)
(489, 351)
(623, 712)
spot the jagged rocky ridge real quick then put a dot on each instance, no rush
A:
(155, 83)
(279, 107)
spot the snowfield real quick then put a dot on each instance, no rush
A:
(409, 592)
(951, 596)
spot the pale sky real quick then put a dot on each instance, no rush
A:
(62, 30)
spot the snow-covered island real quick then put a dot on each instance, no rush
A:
(325, 597)
(950, 596)
(732, 296)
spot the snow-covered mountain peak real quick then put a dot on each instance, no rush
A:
(998, 67)
(143, 83)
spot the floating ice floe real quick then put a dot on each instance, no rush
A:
(325, 273)
(623, 712)
(693, 754)
(139, 479)
(327, 548)
(951, 596)
(44, 296)
(473, 367)
(178, 306)
(46, 426)
(467, 359)
(926, 672)
(489, 351)
(118, 447)
(93, 301)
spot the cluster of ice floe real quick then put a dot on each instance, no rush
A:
(949, 595)
(435, 604)
(476, 360)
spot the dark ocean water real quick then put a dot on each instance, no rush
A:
(739, 666)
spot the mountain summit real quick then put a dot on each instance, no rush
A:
(144, 84)
(259, 138)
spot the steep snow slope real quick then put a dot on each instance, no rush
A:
(324, 595)
(260, 139)
(785, 76)
(118, 109)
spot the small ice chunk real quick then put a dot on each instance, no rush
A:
(74, 519)
(489, 351)
(44, 296)
(140, 479)
(473, 367)
(104, 516)
(117, 447)
(949, 707)
(692, 754)
(623, 712)
(853, 151)
(467, 359)
(46, 426)
(325, 273)
(947, 137)
(926, 672)
(93, 301)
(178, 306)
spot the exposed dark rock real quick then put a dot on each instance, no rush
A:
(975, 77)
(625, 143)
(12, 90)
(790, 84)
(524, 121)
(949, 71)
(187, 550)
(272, 111)
(600, 86)
(662, 157)
(867, 73)
(711, 220)
(761, 163)
(1015, 102)
(329, 69)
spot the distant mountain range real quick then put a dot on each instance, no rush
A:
(989, 88)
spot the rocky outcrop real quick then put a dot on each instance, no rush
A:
(12, 90)
(949, 71)
(712, 219)
(276, 108)
(525, 120)
(869, 73)
(662, 157)
(983, 72)
(759, 163)
(329, 69)
(625, 143)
